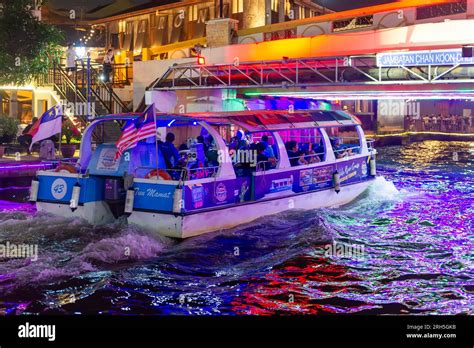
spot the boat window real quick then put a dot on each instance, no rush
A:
(184, 152)
(250, 152)
(345, 141)
(304, 146)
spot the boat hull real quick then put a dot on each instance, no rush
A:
(55, 191)
(189, 225)
(95, 213)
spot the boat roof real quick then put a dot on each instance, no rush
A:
(252, 120)
(260, 120)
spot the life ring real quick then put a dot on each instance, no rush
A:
(158, 173)
(66, 168)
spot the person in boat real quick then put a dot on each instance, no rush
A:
(319, 150)
(295, 156)
(239, 142)
(170, 152)
(312, 156)
(268, 149)
(264, 162)
(339, 150)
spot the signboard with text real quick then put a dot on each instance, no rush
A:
(423, 58)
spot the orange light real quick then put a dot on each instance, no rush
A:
(201, 61)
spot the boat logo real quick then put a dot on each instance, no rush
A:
(108, 159)
(221, 192)
(59, 188)
(364, 169)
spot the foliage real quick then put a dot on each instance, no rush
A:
(8, 129)
(70, 132)
(27, 46)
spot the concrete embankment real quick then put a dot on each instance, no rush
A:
(410, 137)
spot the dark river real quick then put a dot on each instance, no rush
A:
(414, 227)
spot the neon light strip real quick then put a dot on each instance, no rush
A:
(432, 95)
(418, 133)
(26, 166)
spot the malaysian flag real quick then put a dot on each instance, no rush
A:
(128, 139)
(147, 127)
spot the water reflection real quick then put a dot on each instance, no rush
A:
(415, 225)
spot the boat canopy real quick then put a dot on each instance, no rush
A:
(262, 120)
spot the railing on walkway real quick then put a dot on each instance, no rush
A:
(85, 85)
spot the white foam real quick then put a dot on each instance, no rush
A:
(383, 190)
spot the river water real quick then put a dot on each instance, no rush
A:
(413, 230)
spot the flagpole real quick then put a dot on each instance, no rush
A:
(156, 139)
(60, 137)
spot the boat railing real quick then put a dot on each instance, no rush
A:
(309, 159)
(174, 173)
(202, 172)
(182, 174)
(348, 151)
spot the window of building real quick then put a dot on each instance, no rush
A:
(193, 13)
(275, 5)
(237, 6)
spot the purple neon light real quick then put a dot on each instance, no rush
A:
(27, 166)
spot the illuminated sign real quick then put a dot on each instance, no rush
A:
(441, 10)
(353, 23)
(420, 58)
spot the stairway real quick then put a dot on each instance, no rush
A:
(85, 91)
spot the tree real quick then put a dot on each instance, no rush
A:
(27, 46)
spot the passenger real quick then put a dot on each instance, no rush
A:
(212, 155)
(296, 157)
(339, 151)
(262, 155)
(170, 153)
(312, 156)
(268, 149)
(319, 150)
(239, 142)
(200, 140)
(263, 161)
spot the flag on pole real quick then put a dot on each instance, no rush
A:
(128, 139)
(147, 127)
(49, 124)
(132, 134)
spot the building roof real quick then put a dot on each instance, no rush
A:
(168, 5)
(88, 11)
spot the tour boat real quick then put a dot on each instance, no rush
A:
(221, 177)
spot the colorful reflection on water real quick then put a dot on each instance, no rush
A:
(414, 225)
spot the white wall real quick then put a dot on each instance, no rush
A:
(144, 73)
